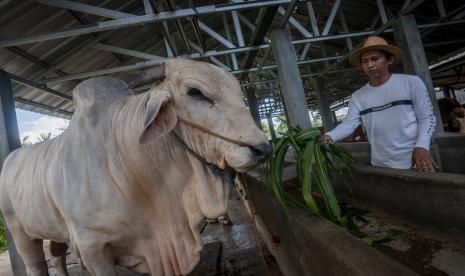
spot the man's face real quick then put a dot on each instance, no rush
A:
(375, 64)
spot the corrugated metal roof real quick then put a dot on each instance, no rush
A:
(55, 58)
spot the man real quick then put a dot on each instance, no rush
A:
(394, 108)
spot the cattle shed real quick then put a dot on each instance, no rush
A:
(290, 56)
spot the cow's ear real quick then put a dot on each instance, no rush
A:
(160, 116)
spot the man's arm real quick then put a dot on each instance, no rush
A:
(424, 113)
(426, 125)
(344, 129)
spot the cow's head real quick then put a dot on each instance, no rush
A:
(210, 98)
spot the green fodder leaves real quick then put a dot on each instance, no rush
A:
(315, 161)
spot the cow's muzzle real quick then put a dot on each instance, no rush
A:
(262, 151)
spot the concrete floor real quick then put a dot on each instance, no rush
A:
(425, 252)
(229, 250)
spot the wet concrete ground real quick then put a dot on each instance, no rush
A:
(229, 250)
(242, 252)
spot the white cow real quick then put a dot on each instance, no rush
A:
(133, 176)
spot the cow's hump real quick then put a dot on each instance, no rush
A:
(95, 95)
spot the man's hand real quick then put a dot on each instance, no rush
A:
(423, 161)
(326, 138)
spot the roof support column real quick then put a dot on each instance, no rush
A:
(253, 106)
(408, 38)
(271, 126)
(9, 141)
(289, 78)
(323, 105)
(446, 91)
(334, 116)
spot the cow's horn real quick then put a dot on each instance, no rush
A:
(149, 76)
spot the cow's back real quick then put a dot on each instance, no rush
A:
(47, 185)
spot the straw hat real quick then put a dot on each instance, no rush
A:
(375, 43)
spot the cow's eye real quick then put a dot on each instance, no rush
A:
(197, 94)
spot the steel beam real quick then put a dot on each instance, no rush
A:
(382, 11)
(171, 48)
(300, 62)
(42, 106)
(126, 52)
(41, 87)
(107, 71)
(294, 23)
(243, 49)
(264, 24)
(345, 28)
(95, 10)
(163, 28)
(314, 26)
(34, 60)
(313, 20)
(172, 7)
(140, 20)
(78, 49)
(332, 14)
(237, 28)
(212, 59)
(441, 9)
(282, 24)
(216, 36)
(435, 44)
(229, 37)
(411, 7)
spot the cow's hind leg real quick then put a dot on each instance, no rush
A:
(58, 258)
(31, 251)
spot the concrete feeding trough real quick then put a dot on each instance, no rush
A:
(420, 213)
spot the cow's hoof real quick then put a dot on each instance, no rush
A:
(215, 220)
(224, 220)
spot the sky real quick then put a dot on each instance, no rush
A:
(33, 124)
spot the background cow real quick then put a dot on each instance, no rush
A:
(452, 115)
(133, 176)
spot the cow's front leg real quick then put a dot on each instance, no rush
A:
(58, 257)
(98, 260)
(31, 250)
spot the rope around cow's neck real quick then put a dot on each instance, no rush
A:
(203, 129)
(222, 173)
(214, 169)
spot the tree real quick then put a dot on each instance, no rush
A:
(282, 126)
(25, 141)
(45, 136)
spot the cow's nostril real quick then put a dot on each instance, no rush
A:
(262, 151)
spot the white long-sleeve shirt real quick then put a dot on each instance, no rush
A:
(398, 117)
